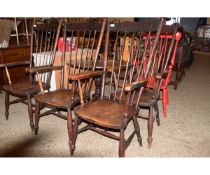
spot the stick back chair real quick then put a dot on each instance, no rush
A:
(43, 41)
(77, 56)
(107, 115)
(155, 75)
(159, 75)
(168, 43)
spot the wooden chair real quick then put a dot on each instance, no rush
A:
(159, 77)
(77, 56)
(43, 43)
(108, 114)
(172, 41)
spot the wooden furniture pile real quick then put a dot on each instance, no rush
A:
(106, 73)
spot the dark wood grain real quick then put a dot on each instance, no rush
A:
(43, 69)
(86, 75)
(14, 64)
(16, 59)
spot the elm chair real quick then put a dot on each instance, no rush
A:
(43, 41)
(169, 41)
(106, 114)
(156, 75)
(77, 56)
(159, 76)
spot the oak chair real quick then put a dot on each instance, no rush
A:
(108, 115)
(77, 56)
(43, 42)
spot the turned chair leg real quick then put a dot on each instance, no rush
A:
(30, 112)
(37, 113)
(76, 124)
(70, 132)
(6, 105)
(157, 114)
(137, 129)
(122, 143)
(150, 127)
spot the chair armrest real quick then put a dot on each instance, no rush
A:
(123, 67)
(161, 75)
(14, 64)
(86, 75)
(135, 85)
(43, 69)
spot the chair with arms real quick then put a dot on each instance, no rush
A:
(111, 115)
(43, 41)
(159, 76)
(77, 56)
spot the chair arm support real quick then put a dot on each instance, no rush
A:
(135, 85)
(14, 64)
(161, 75)
(43, 69)
(86, 75)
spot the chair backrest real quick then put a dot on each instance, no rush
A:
(43, 47)
(128, 61)
(80, 49)
(164, 58)
(171, 56)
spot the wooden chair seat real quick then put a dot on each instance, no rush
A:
(146, 99)
(62, 98)
(24, 88)
(105, 113)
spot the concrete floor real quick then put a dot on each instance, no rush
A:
(185, 132)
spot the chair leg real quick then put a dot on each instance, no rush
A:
(122, 143)
(76, 124)
(150, 127)
(6, 105)
(137, 129)
(30, 112)
(178, 76)
(183, 70)
(176, 79)
(70, 132)
(157, 114)
(37, 113)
